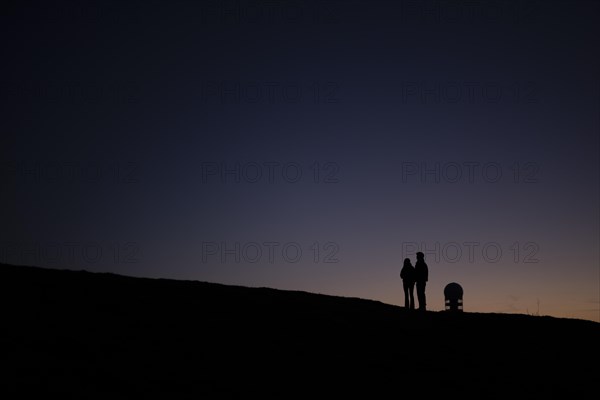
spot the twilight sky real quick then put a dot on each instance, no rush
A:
(309, 145)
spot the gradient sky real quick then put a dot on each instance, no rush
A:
(133, 135)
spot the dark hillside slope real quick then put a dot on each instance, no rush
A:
(99, 335)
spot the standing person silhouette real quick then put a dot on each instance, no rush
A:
(408, 282)
(421, 277)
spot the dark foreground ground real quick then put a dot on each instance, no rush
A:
(108, 336)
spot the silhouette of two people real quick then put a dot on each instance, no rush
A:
(419, 274)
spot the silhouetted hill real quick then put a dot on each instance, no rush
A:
(109, 336)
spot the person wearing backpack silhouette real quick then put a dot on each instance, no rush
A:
(408, 282)
(421, 277)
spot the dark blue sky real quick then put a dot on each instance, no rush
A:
(213, 141)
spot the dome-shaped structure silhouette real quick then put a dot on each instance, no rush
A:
(453, 293)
